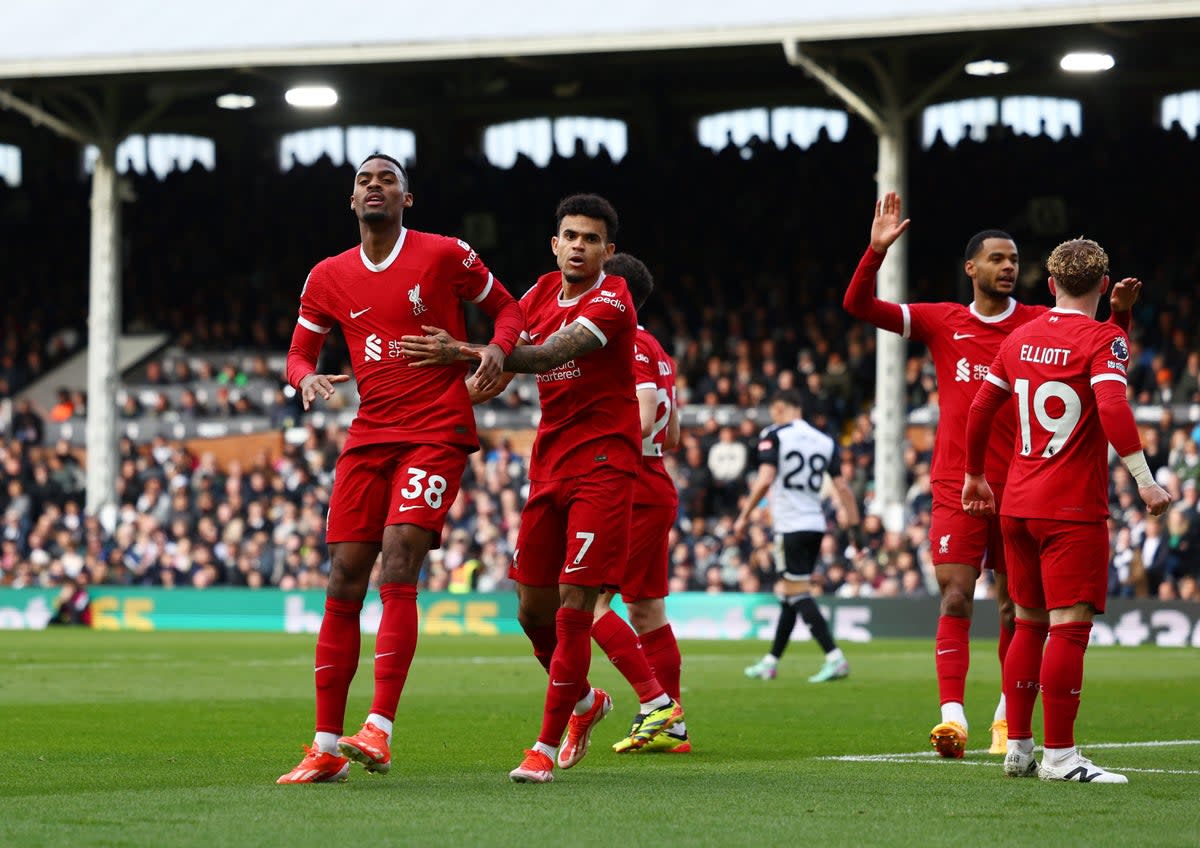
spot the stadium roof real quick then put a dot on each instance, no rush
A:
(55, 38)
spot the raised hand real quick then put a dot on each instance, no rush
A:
(319, 384)
(1125, 294)
(888, 225)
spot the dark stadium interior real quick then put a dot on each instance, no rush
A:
(752, 248)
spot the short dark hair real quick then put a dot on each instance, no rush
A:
(590, 206)
(393, 160)
(789, 396)
(977, 240)
(637, 276)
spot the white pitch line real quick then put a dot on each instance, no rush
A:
(928, 757)
(932, 754)
(924, 762)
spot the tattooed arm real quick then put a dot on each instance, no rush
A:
(572, 341)
(440, 348)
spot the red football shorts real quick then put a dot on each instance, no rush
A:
(956, 537)
(1054, 564)
(647, 569)
(378, 485)
(575, 531)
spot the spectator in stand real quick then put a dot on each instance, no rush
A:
(727, 461)
(63, 409)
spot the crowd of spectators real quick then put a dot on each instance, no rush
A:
(749, 302)
(186, 520)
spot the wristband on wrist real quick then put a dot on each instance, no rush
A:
(1138, 467)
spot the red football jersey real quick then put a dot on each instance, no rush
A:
(1060, 463)
(654, 370)
(963, 344)
(425, 280)
(589, 406)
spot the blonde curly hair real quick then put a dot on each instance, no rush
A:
(1077, 266)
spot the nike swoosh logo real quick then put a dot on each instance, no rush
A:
(388, 654)
(407, 508)
(958, 336)
(533, 336)
(576, 568)
(947, 651)
(322, 667)
(1076, 691)
(354, 314)
(561, 683)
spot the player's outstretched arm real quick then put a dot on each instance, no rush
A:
(440, 348)
(860, 300)
(571, 342)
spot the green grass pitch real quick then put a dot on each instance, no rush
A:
(173, 739)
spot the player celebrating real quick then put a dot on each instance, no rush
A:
(575, 526)
(794, 461)
(1068, 375)
(649, 651)
(962, 341)
(406, 449)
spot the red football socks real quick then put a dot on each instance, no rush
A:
(662, 653)
(395, 645)
(620, 643)
(1006, 636)
(1022, 676)
(568, 671)
(953, 657)
(1062, 681)
(336, 661)
(543, 639)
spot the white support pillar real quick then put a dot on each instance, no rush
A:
(887, 119)
(104, 316)
(891, 408)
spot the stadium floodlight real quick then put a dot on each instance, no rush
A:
(311, 96)
(986, 68)
(1086, 63)
(236, 101)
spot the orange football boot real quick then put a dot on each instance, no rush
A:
(318, 767)
(370, 747)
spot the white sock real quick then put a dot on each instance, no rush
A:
(771, 659)
(586, 702)
(1057, 756)
(658, 703)
(952, 711)
(550, 751)
(835, 655)
(326, 742)
(1020, 746)
(382, 723)
(1001, 713)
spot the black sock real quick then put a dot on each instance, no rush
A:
(817, 625)
(783, 630)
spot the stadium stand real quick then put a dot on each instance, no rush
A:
(749, 303)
